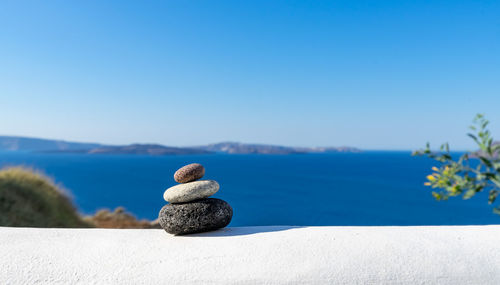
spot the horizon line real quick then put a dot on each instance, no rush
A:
(218, 142)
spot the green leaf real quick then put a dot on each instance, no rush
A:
(496, 210)
(437, 196)
(485, 161)
(474, 138)
(469, 194)
(492, 196)
(496, 180)
(484, 124)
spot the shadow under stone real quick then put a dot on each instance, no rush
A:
(242, 231)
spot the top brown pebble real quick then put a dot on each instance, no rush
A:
(190, 172)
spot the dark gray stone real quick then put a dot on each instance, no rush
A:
(195, 217)
(190, 172)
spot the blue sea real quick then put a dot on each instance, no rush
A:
(369, 188)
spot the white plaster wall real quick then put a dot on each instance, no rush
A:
(253, 255)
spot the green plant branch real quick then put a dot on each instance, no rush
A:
(455, 178)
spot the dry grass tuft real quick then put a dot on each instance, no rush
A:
(119, 219)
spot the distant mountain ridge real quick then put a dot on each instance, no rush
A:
(243, 148)
(149, 149)
(12, 143)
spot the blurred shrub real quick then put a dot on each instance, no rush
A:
(29, 199)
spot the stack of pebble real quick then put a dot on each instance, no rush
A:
(190, 210)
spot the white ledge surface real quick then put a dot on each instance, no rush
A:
(253, 255)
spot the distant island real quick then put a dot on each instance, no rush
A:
(24, 144)
(150, 149)
(243, 148)
(10, 143)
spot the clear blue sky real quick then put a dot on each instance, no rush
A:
(371, 74)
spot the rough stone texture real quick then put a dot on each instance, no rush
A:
(190, 172)
(195, 217)
(191, 191)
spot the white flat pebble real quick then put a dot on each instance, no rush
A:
(191, 191)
